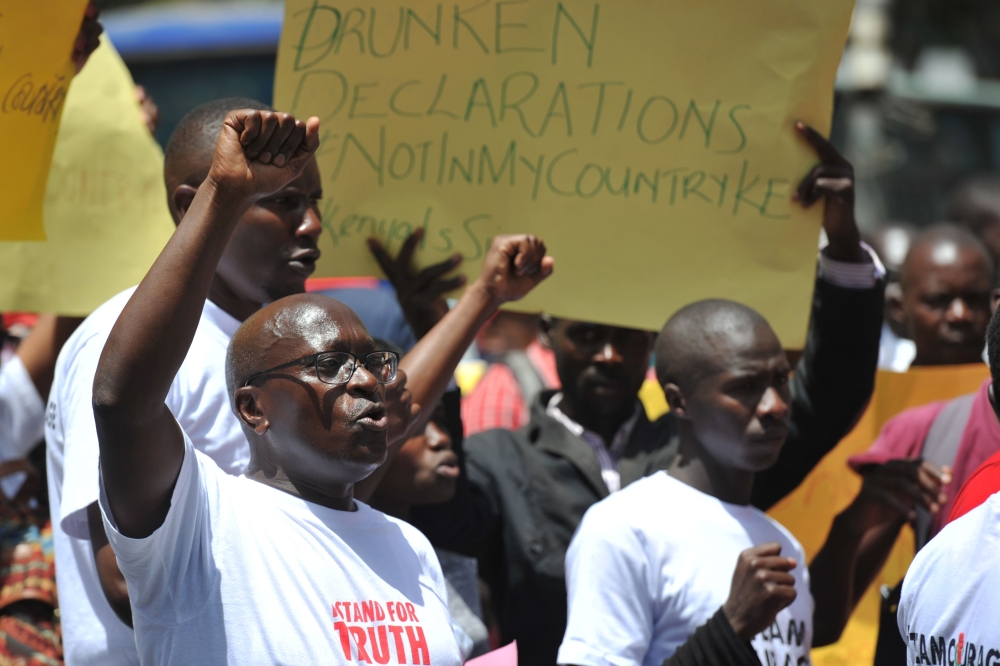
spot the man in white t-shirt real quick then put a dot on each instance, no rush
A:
(651, 569)
(273, 250)
(281, 565)
(949, 611)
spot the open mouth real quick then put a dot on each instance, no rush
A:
(448, 468)
(374, 419)
(304, 261)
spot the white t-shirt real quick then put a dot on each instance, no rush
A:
(653, 562)
(242, 573)
(22, 411)
(92, 633)
(949, 612)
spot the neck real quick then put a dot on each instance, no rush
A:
(339, 497)
(232, 304)
(697, 469)
(605, 425)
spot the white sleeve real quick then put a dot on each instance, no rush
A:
(22, 411)
(610, 610)
(172, 572)
(81, 452)
(851, 275)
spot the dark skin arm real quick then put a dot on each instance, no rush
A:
(112, 581)
(141, 445)
(862, 536)
(833, 181)
(513, 266)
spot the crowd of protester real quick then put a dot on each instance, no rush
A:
(237, 471)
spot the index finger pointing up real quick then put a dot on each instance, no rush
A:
(827, 153)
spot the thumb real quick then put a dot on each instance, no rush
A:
(310, 144)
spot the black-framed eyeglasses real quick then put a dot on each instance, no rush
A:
(334, 367)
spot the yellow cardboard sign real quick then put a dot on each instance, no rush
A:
(809, 511)
(106, 215)
(36, 46)
(650, 144)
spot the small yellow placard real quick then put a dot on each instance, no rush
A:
(36, 46)
(106, 214)
(650, 144)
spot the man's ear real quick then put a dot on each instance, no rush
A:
(182, 198)
(994, 300)
(248, 409)
(894, 304)
(675, 398)
(546, 326)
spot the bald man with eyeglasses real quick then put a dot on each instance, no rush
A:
(282, 564)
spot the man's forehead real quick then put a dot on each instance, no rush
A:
(970, 275)
(745, 349)
(309, 179)
(317, 325)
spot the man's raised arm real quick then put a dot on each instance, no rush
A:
(513, 266)
(142, 447)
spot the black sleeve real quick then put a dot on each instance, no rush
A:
(714, 644)
(468, 519)
(831, 385)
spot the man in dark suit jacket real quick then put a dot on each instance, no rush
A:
(523, 493)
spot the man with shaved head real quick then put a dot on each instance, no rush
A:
(271, 252)
(649, 570)
(944, 300)
(522, 494)
(280, 565)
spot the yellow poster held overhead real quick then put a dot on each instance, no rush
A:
(106, 215)
(650, 144)
(36, 45)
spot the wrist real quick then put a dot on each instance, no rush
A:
(220, 192)
(484, 296)
(846, 248)
(738, 627)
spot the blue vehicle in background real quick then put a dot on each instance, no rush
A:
(188, 54)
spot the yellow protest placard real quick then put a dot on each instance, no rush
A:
(650, 144)
(106, 215)
(36, 45)
(809, 511)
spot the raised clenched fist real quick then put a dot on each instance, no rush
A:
(762, 587)
(259, 152)
(513, 266)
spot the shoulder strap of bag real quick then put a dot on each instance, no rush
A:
(941, 447)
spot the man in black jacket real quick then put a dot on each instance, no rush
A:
(523, 493)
